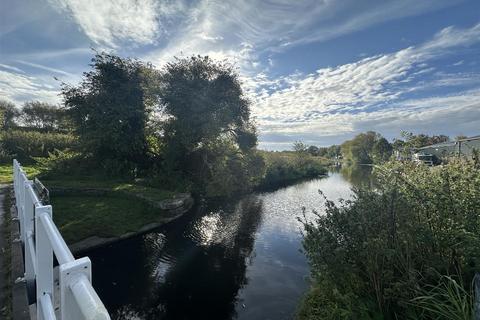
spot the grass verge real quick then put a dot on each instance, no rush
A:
(6, 172)
(153, 194)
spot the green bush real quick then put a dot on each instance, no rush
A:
(390, 244)
(283, 168)
(5, 157)
(26, 145)
(59, 162)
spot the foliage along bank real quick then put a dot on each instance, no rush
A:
(407, 250)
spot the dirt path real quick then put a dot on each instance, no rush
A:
(3, 249)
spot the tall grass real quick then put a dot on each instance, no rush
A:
(448, 300)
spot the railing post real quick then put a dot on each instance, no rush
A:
(44, 258)
(21, 204)
(29, 233)
(78, 299)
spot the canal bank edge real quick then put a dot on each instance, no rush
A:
(176, 207)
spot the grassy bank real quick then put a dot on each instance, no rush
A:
(82, 216)
(6, 172)
(119, 208)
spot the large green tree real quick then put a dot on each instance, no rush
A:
(110, 108)
(360, 148)
(204, 107)
(382, 150)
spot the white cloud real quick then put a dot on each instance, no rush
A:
(43, 55)
(20, 88)
(108, 22)
(452, 115)
(45, 68)
(11, 68)
(368, 93)
(221, 28)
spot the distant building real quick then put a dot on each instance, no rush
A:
(460, 148)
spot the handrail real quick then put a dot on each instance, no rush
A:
(59, 246)
(41, 241)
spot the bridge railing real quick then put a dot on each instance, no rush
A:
(74, 298)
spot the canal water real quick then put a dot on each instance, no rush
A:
(240, 260)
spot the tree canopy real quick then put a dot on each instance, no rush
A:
(110, 108)
(42, 115)
(8, 114)
(366, 148)
(206, 119)
(204, 100)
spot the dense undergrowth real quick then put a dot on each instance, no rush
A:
(408, 249)
(283, 168)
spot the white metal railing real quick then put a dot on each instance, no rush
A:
(76, 300)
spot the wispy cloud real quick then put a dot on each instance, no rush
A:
(20, 87)
(387, 91)
(223, 28)
(11, 68)
(452, 115)
(370, 91)
(110, 22)
(45, 68)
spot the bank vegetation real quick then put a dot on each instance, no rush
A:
(407, 249)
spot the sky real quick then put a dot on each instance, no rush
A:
(316, 71)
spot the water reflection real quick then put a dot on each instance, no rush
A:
(359, 176)
(237, 260)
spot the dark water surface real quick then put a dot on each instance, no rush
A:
(239, 260)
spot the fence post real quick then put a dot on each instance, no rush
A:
(69, 274)
(29, 234)
(44, 258)
(21, 205)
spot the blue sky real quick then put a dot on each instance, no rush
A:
(316, 71)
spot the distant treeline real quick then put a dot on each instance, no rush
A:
(371, 147)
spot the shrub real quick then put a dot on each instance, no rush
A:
(390, 244)
(5, 157)
(26, 145)
(59, 162)
(286, 167)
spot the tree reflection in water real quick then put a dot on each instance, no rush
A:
(196, 265)
(359, 176)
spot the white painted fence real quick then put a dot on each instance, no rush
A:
(76, 300)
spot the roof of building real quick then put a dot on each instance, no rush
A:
(448, 143)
